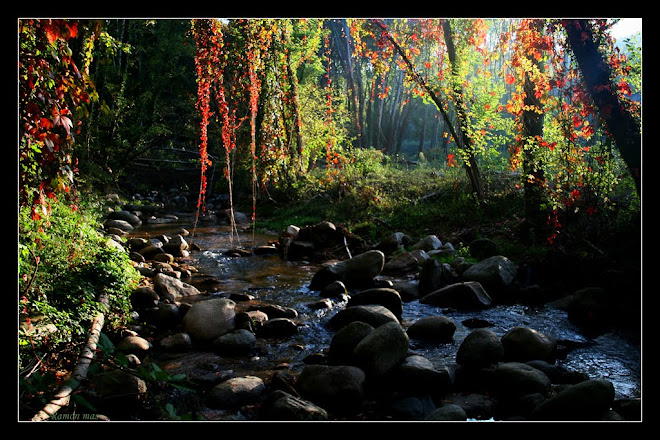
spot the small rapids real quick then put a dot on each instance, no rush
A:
(614, 356)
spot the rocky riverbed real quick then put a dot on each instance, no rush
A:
(314, 324)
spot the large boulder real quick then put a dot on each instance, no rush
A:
(172, 288)
(461, 296)
(496, 272)
(355, 272)
(436, 329)
(522, 344)
(383, 296)
(405, 262)
(417, 374)
(126, 216)
(432, 276)
(513, 380)
(382, 350)
(587, 400)
(481, 348)
(237, 342)
(210, 319)
(428, 243)
(119, 224)
(447, 413)
(345, 340)
(372, 314)
(393, 242)
(338, 387)
(236, 392)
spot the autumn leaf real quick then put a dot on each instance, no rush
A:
(510, 79)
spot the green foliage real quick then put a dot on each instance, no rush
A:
(65, 269)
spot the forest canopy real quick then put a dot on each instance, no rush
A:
(274, 103)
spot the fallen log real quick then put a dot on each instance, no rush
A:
(62, 398)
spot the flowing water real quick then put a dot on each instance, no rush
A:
(613, 356)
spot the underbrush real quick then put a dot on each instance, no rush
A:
(67, 275)
(381, 196)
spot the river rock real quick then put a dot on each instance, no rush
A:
(165, 315)
(588, 400)
(408, 290)
(385, 297)
(447, 413)
(355, 272)
(495, 272)
(151, 250)
(172, 288)
(513, 380)
(629, 409)
(210, 319)
(412, 407)
(335, 289)
(119, 224)
(278, 327)
(417, 374)
(276, 311)
(178, 342)
(462, 296)
(382, 350)
(126, 216)
(340, 387)
(134, 345)
(405, 262)
(428, 243)
(480, 348)
(144, 297)
(239, 341)
(372, 314)
(136, 243)
(432, 276)
(176, 245)
(393, 242)
(522, 344)
(437, 329)
(282, 406)
(237, 392)
(557, 373)
(345, 340)
(122, 386)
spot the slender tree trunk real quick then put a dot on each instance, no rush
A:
(534, 195)
(623, 126)
(471, 165)
(352, 85)
(470, 161)
(420, 147)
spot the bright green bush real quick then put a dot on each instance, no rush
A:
(65, 268)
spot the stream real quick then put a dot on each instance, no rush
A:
(614, 356)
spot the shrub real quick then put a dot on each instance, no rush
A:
(65, 269)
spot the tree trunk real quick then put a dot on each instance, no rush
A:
(471, 169)
(622, 125)
(532, 121)
(470, 161)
